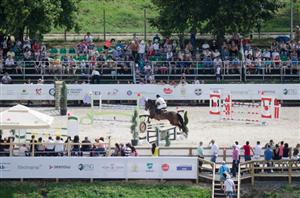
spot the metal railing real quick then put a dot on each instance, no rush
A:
(164, 70)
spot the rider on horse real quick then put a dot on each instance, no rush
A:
(160, 104)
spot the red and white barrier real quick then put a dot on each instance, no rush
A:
(258, 113)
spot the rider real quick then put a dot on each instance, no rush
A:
(160, 103)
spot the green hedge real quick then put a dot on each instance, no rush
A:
(100, 189)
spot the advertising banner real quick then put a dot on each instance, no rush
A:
(99, 167)
(130, 91)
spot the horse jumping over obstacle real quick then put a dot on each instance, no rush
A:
(174, 118)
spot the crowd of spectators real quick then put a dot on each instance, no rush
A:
(156, 56)
(59, 147)
(270, 151)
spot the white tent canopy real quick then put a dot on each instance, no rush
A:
(22, 117)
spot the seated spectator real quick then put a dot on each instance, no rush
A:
(86, 145)
(9, 61)
(76, 147)
(23, 151)
(59, 147)
(49, 147)
(276, 152)
(127, 150)
(134, 152)
(95, 76)
(117, 150)
(99, 147)
(286, 151)
(40, 147)
(6, 79)
(1, 65)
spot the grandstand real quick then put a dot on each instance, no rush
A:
(162, 62)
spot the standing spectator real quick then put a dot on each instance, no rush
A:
(134, 46)
(142, 49)
(200, 150)
(214, 150)
(235, 160)
(154, 150)
(268, 156)
(223, 171)
(257, 151)
(229, 187)
(247, 151)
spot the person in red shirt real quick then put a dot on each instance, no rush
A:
(247, 151)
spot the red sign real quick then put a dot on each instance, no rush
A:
(168, 90)
(165, 167)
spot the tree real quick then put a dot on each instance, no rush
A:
(36, 16)
(213, 16)
(239, 16)
(177, 16)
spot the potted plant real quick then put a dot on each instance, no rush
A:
(63, 99)
(134, 128)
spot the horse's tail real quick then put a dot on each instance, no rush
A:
(183, 124)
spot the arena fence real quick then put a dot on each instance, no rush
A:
(12, 149)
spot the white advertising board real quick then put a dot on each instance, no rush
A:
(99, 167)
(129, 92)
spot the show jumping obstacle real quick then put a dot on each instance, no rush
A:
(260, 113)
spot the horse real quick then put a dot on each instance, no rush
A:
(174, 118)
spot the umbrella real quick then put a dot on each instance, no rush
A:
(22, 117)
(282, 39)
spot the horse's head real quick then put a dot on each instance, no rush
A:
(149, 104)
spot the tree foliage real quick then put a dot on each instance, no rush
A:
(36, 16)
(213, 16)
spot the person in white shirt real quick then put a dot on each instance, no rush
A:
(95, 76)
(88, 38)
(142, 48)
(257, 151)
(160, 103)
(229, 187)
(49, 146)
(214, 150)
(23, 150)
(9, 61)
(59, 147)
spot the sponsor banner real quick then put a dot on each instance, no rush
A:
(106, 167)
(130, 92)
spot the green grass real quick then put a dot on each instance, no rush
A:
(121, 16)
(127, 16)
(281, 21)
(100, 189)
